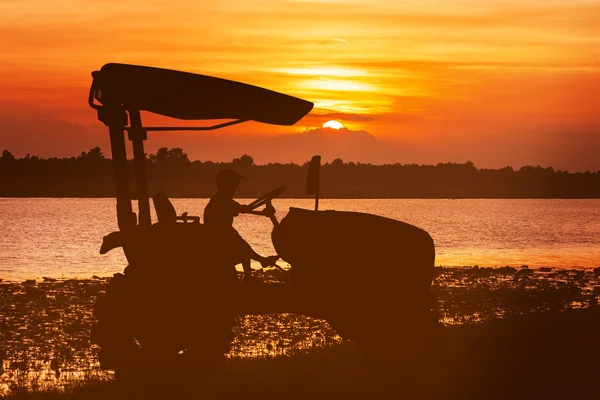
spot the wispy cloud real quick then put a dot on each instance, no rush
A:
(342, 117)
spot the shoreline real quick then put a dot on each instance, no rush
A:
(574, 269)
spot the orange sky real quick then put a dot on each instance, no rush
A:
(495, 82)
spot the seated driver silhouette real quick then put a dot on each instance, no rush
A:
(218, 216)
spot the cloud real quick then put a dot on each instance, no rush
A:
(346, 144)
(436, 65)
(49, 136)
(338, 40)
(561, 149)
(341, 116)
(343, 143)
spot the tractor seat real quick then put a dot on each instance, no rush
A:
(165, 212)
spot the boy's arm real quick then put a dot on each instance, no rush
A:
(240, 208)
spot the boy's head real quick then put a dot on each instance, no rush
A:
(227, 181)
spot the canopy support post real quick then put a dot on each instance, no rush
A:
(116, 119)
(137, 135)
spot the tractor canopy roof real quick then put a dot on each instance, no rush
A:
(188, 96)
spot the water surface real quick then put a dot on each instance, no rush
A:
(62, 237)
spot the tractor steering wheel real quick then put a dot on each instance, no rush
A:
(266, 198)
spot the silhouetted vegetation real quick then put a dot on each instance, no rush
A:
(170, 170)
(509, 333)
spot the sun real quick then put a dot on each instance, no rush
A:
(333, 125)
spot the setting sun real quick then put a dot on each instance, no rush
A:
(333, 125)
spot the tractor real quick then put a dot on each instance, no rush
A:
(172, 310)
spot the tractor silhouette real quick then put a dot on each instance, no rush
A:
(172, 311)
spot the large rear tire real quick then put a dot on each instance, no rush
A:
(146, 345)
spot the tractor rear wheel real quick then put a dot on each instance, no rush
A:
(150, 341)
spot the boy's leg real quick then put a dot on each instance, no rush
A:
(248, 254)
(247, 268)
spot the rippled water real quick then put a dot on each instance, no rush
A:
(62, 237)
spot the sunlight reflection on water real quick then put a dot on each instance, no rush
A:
(62, 237)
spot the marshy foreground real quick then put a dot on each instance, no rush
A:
(508, 332)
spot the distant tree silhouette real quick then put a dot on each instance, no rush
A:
(7, 156)
(169, 156)
(170, 170)
(243, 162)
(94, 154)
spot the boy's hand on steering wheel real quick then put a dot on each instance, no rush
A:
(268, 211)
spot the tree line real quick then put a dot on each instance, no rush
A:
(172, 172)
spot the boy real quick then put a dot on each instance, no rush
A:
(219, 214)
